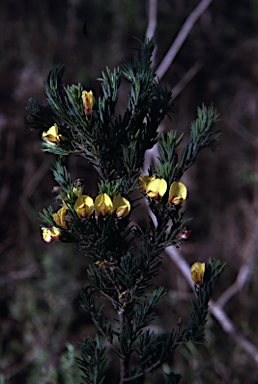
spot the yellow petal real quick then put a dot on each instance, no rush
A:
(56, 233)
(46, 235)
(88, 102)
(84, 206)
(143, 181)
(103, 205)
(59, 217)
(177, 193)
(197, 272)
(51, 136)
(156, 189)
(121, 206)
(51, 235)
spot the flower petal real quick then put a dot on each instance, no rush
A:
(143, 181)
(121, 206)
(103, 205)
(197, 272)
(59, 217)
(84, 206)
(156, 189)
(177, 193)
(88, 102)
(51, 136)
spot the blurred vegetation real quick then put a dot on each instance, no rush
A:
(39, 301)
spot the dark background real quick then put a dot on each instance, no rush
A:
(39, 283)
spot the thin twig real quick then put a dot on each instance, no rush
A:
(181, 37)
(249, 253)
(226, 324)
(152, 19)
(103, 334)
(228, 327)
(122, 359)
(152, 25)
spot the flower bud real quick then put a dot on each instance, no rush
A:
(197, 272)
(88, 102)
(177, 193)
(103, 205)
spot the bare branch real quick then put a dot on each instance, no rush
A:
(181, 37)
(152, 19)
(249, 253)
(226, 324)
(152, 25)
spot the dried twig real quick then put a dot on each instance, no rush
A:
(249, 253)
(152, 25)
(226, 324)
(152, 19)
(181, 37)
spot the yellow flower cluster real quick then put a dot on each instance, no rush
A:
(103, 205)
(197, 272)
(156, 189)
(84, 206)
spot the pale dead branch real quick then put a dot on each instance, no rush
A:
(181, 37)
(226, 324)
(249, 253)
(152, 18)
(152, 25)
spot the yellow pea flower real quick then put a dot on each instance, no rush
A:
(88, 102)
(51, 136)
(49, 235)
(59, 217)
(156, 189)
(143, 181)
(197, 272)
(121, 206)
(177, 193)
(84, 206)
(103, 205)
